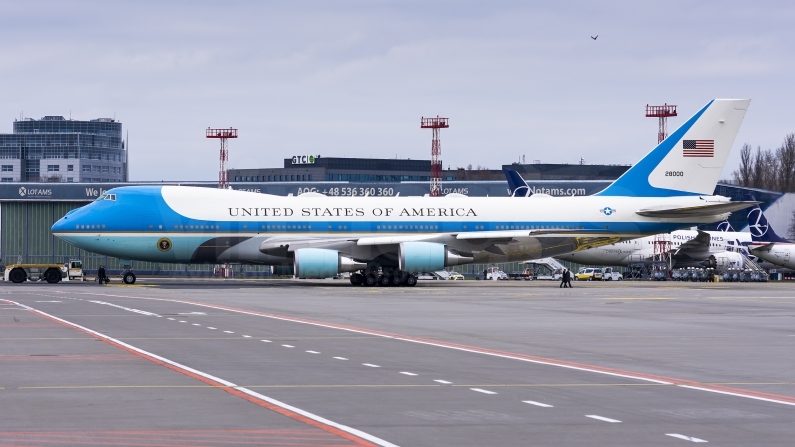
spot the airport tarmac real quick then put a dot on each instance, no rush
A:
(213, 362)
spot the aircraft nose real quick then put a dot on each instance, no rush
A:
(65, 223)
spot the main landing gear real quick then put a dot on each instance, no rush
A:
(392, 278)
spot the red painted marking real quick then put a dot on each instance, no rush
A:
(477, 349)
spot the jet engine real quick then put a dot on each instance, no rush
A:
(726, 259)
(427, 257)
(322, 263)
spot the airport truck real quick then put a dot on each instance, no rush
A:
(52, 273)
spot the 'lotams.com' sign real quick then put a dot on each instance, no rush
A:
(303, 159)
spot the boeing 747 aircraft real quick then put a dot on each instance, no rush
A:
(384, 240)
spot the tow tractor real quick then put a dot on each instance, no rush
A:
(52, 273)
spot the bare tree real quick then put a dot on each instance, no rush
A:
(745, 172)
(786, 164)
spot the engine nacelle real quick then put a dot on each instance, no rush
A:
(322, 263)
(427, 257)
(727, 259)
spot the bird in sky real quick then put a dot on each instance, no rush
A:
(594, 38)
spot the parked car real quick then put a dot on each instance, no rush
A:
(589, 274)
(455, 276)
(611, 275)
(427, 276)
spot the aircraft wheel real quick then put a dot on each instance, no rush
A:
(396, 279)
(370, 280)
(411, 280)
(384, 280)
(129, 278)
(52, 276)
(357, 279)
(17, 276)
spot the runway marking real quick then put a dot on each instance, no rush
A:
(686, 438)
(340, 358)
(444, 382)
(349, 433)
(480, 390)
(266, 341)
(601, 418)
(313, 352)
(208, 327)
(196, 324)
(750, 394)
(246, 336)
(537, 404)
(288, 346)
(142, 312)
(370, 365)
(49, 301)
(171, 319)
(407, 373)
(228, 332)
(182, 321)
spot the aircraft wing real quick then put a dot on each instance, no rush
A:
(698, 244)
(708, 209)
(765, 248)
(470, 243)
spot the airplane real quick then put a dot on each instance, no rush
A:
(766, 244)
(689, 248)
(385, 240)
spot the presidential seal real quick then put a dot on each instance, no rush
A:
(164, 244)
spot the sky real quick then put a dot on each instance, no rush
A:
(353, 78)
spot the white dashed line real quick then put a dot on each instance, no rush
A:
(208, 327)
(483, 391)
(593, 416)
(266, 341)
(340, 358)
(444, 382)
(288, 346)
(370, 365)
(537, 404)
(171, 319)
(407, 373)
(196, 324)
(246, 336)
(182, 321)
(228, 332)
(686, 438)
(313, 352)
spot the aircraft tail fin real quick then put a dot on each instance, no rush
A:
(725, 226)
(690, 161)
(517, 187)
(761, 231)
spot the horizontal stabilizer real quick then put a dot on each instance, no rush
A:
(710, 209)
(765, 248)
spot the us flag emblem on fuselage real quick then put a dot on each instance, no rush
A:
(698, 148)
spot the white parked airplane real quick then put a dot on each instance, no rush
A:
(766, 244)
(384, 240)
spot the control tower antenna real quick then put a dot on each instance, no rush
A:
(436, 151)
(661, 112)
(223, 135)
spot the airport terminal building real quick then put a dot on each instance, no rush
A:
(56, 149)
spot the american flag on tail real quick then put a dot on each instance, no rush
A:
(698, 148)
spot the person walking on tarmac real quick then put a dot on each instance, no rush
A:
(568, 278)
(563, 279)
(103, 279)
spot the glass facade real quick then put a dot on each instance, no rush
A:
(59, 150)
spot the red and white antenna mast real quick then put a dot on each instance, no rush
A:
(661, 112)
(223, 135)
(436, 151)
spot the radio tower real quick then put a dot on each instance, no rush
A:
(661, 112)
(223, 135)
(436, 151)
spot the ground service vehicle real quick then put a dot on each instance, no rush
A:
(611, 275)
(589, 274)
(52, 273)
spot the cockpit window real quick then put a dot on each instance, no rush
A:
(107, 197)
